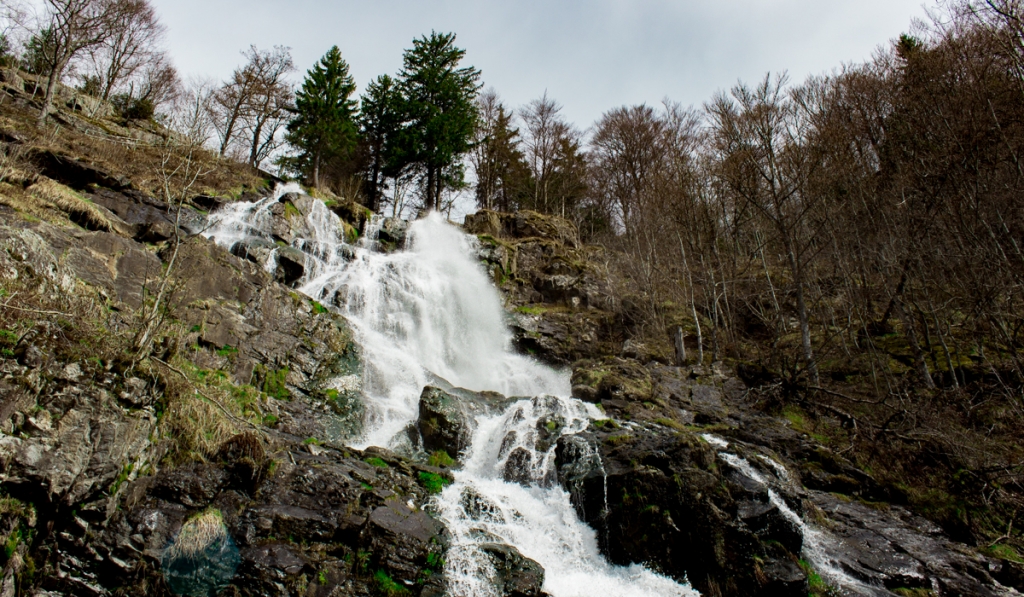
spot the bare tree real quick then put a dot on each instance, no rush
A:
(132, 44)
(547, 136)
(254, 99)
(73, 26)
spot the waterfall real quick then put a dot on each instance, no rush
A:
(431, 311)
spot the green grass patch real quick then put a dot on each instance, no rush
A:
(671, 424)
(618, 440)
(226, 351)
(433, 482)
(318, 308)
(817, 585)
(1005, 552)
(377, 462)
(274, 384)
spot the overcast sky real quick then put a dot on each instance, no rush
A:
(590, 55)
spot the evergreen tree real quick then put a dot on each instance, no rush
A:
(324, 126)
(441, 115)
(380, 119)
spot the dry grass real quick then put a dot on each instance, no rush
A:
(198, 534)
(48, 193)
(196, 427)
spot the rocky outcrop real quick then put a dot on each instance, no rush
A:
(660, 497)
(446, 416)
(555, 286)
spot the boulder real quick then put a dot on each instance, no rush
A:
(515, 575)
(443, 422)
(393, 233)
(447, 413)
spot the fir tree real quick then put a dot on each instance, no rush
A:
(441, 115)
(323, 128)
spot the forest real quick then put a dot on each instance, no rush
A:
(852, 243)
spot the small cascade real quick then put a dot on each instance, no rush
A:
(427, 312)
(819, 548)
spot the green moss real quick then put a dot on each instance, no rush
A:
(312, 441)
(433, 482)
(617, 440)
(1005, 552)
(121, 478)
(290, 211)
(227, 351)
(905, 592)
(605, 424)
(322, 578)
(817, 585)
(440, 458)
(377, 462)
(318, 308)
(386, 586)
(274, 384)
(670, 423)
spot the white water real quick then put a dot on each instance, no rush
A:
(431, 311)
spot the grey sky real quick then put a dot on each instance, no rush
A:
(589, 55)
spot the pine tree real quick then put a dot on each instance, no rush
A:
(324, 126)
(380, 119)
(441, 115)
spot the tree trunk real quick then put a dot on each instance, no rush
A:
(316, 171)
(680, 347)
(374, 183)
(801, 308)
(254, 152)
(915, 347)
(51, 87)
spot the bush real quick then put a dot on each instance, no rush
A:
(133, 108)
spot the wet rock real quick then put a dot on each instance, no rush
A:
(392, 233)
(208, 202)
(402, 539)
(519, 467)
(291, 265)
(443, 422)
(656, 495)
(515, 575)
(446, 415)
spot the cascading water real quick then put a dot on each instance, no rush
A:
(430, 311)
(818, 548)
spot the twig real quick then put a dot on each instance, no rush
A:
(6, 306)
(207, 398)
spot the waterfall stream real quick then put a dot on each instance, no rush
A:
(430, 311)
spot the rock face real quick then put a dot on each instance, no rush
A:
(330, 523)
(561, 297)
